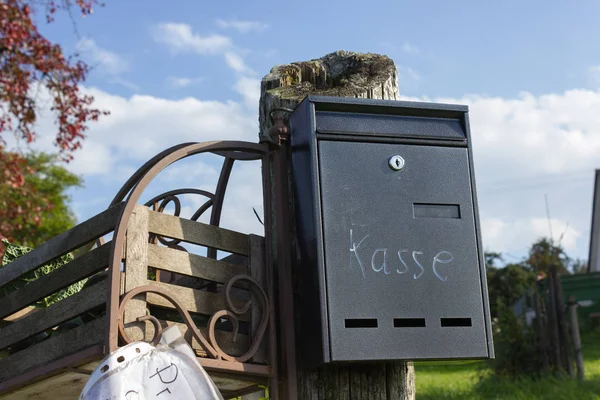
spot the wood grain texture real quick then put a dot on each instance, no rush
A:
(400, 380)
(359, 381)
(192, 300)
(59, 245)
(136, 273)
(185, 263)
(21, 314)
(198, 233)
(342, 74)
(57, 313)
(67, 385)
(78, 269)
(54, 348)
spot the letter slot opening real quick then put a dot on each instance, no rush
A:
(409, 322)
(361, 323)
(455, 322)
(430, 210)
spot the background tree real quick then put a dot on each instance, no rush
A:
(43, 194)
(579, 266)
(30, 63)
(544, 253)
(507, 284)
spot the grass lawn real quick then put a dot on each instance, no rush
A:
(471, 380)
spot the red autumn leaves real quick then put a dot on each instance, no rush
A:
(30, 62)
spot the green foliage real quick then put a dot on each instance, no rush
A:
(436, 380)
(38, 209)
(516, 346)
(13, 252)
(545, 253)
(491, 258)
(49, 182)
(507, 284)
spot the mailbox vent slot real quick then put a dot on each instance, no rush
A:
(454, 322)
(430, 210)
(409, 322)
(361, 323)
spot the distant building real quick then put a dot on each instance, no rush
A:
(594, 256)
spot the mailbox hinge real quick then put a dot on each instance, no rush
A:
(280, 131)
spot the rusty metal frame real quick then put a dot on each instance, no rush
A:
(131, 193)
(211, 346)
(282, 229)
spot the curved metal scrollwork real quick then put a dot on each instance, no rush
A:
(211, 346)
(131, 192)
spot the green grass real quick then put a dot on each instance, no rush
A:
(472, 380)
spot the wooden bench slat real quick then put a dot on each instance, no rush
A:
(78, 269)
(198, 233)
(136, 271)
(62, 311)
(67, 385)
(185, 263)
(59, 245)
(54, 348)
(191, 299)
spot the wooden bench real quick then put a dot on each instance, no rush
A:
(59, 366)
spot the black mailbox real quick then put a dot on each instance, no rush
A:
(390, 263)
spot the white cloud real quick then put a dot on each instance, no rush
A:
(594, 76)
(524, 148)
(141, 126)
(407, 74)
(109, 61)
(181, 82)
(125, 83)
(409, 48)
(249, 88)
(236, 63)
(241, 26)
(511, 236)
(180, 38)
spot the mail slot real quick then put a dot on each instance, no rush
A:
(390, 264)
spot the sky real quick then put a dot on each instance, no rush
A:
(180, 71)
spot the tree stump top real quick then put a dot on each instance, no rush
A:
(341, 74)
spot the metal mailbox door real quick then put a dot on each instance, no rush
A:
(401, 266)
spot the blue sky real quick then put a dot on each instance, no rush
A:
(190, 71)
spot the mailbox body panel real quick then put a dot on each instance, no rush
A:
(409, 277)
(375, 245)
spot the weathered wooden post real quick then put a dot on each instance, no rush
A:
(553, 320)
(576, 338)
(541, 326)
(343, 74)
(567, 360)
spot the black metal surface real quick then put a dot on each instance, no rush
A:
(390, 263)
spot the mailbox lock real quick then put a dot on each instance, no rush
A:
(396, 163)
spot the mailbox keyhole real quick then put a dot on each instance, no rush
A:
(396, 162)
